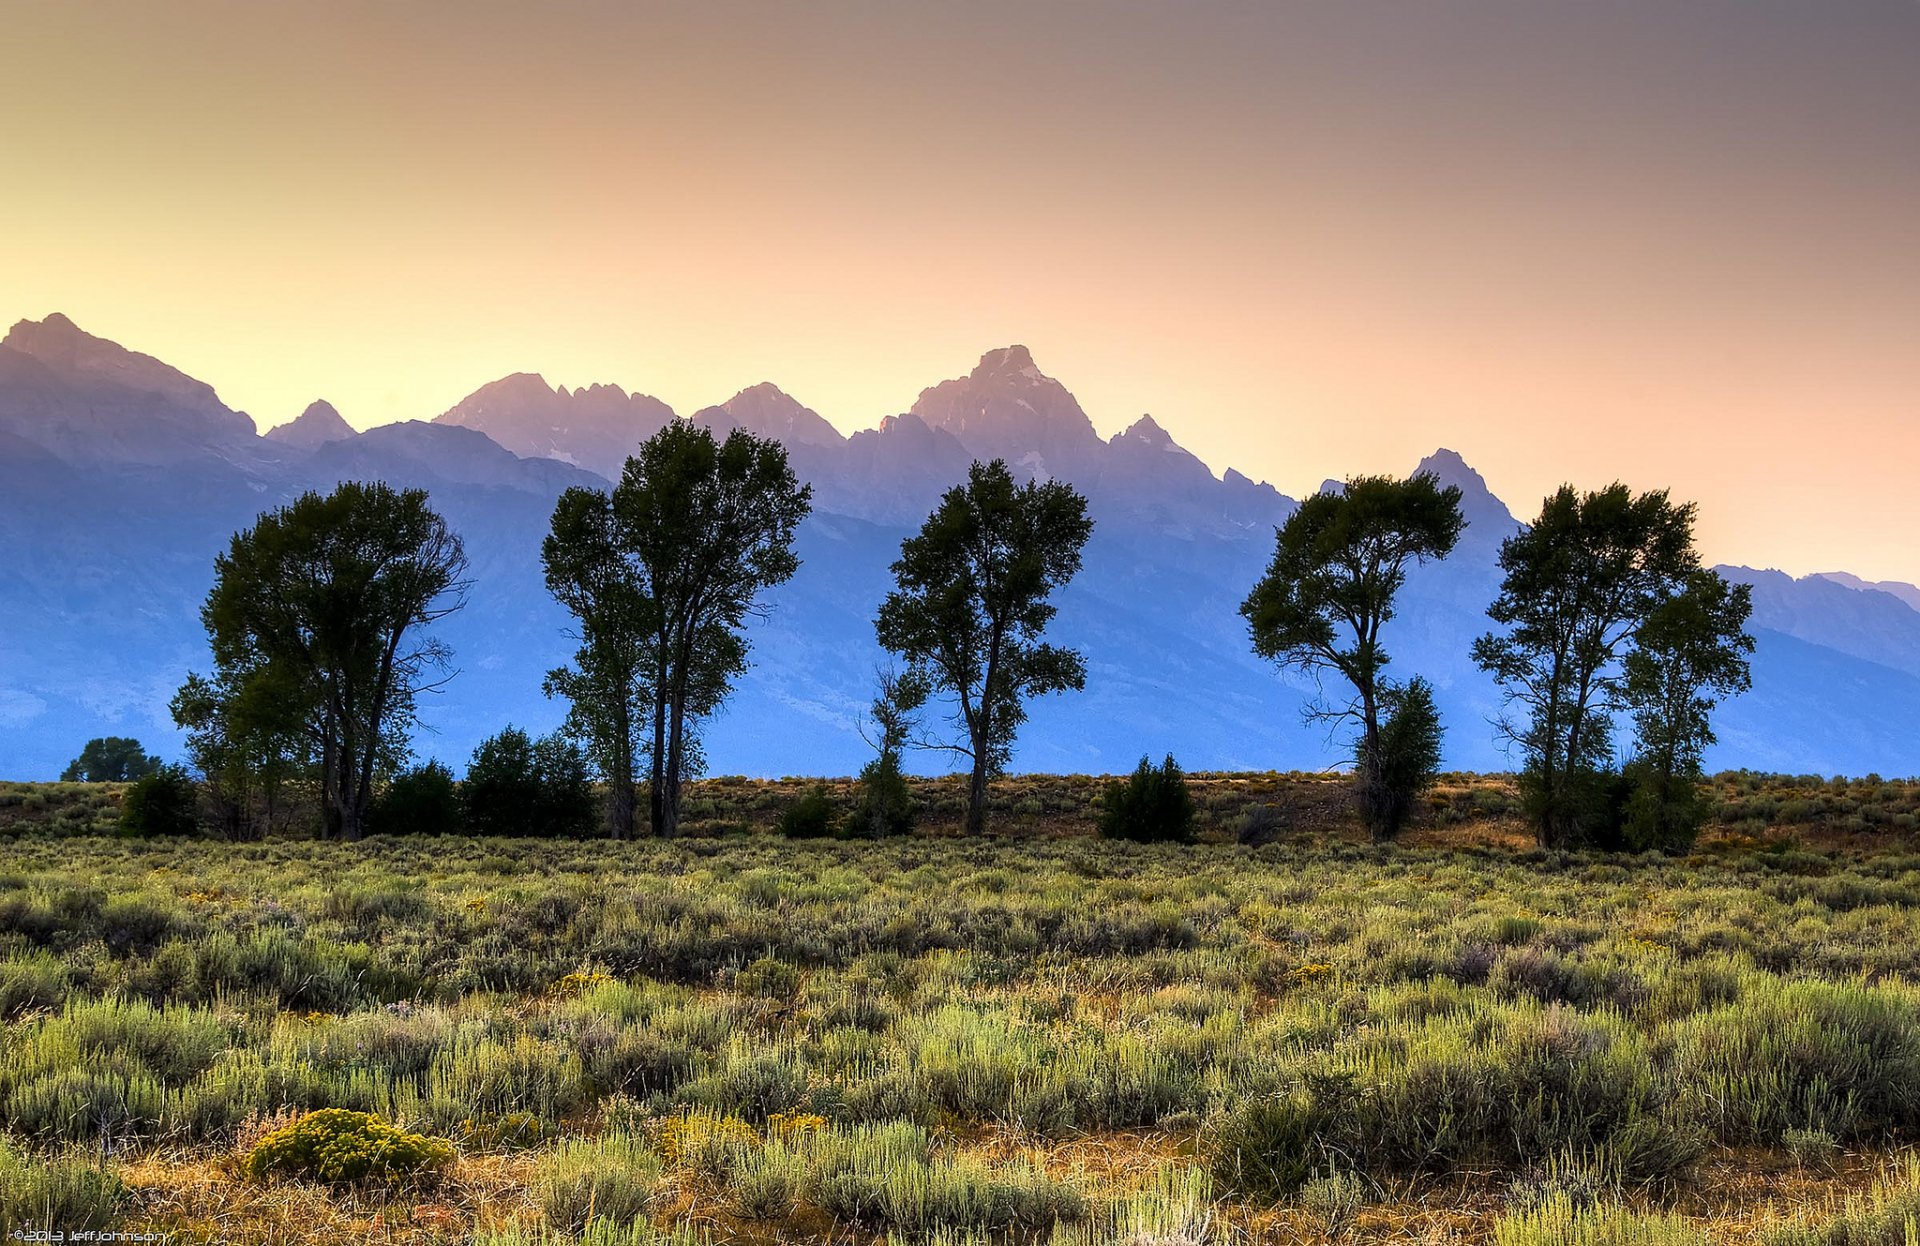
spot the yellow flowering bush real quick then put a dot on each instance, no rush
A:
(340, 1147)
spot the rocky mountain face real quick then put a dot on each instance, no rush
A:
(312, 428)
(81, 396)
(594, 427)
(121, 479)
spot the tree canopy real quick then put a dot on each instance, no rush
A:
(317, 614)
(110, 759)
(972, 604)
(1339, 562)
(1579, 583)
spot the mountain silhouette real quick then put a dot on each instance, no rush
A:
(121, 478)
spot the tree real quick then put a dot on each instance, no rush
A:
(161, 802)
(1339, 562)
(520, 786)
(707, 527)
(1689, 653)
(883, 804)
(1152, 806)
(971, 607)
(245, 736)
(110, 759)
(1578, 585)
(420, 801)
(611, 682)
(320, 603)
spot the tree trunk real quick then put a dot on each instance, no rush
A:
(620, 794)
(977, 790)
(670, 799)
(657, 781)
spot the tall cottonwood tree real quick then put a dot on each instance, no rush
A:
(972, 605)
(319, 610)
(662, 575)
(610, 685)
(1579, 584)
(1690, 652)
(1339, 561)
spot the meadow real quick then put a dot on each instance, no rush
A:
(1035, 1037)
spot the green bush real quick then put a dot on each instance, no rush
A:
(882, 803)
(165, 802)
(1403, 761)
(421, 801)
(520, 786)
(341, 1147)
(1153, 805)
(1266, 1147)
(810, 817)
(59, 1195)
(611, 1178)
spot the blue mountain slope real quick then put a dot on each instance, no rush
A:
(105, 558)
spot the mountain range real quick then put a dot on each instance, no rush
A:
(121, 478)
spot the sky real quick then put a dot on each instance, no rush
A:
(1672, 242)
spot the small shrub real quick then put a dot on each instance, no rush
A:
(810, 817)
(60, 1195)
(1151, 806)
(341, 1147)
(1811, 1148)
(1402, 763)
(165, 802)
(883, 803)
(1265, 1147)
(609, 1179)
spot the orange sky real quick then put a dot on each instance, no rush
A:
(1674, 244)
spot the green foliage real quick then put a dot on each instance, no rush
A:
(341, 1147)
(611, 1179)
(1579, 583)
(63, 1195)
(420, 801)
(706, 527)
(1403, 759)
(614, 679)
(883, 803)
(313, 617)
(1152, 806)
(110, 759)
(164, 802)
(1691, 651)
(971, 604)
(812, 816)
(519, 786)
(1340, 559)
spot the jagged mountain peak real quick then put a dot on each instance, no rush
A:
(1487, 515)
(316, 426)
(1007, 408)
(1146, 430)
(766, 410)
(74, 353)
(1009, 361)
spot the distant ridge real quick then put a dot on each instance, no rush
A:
(121, 478)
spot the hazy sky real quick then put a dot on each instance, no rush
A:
(1671, 241)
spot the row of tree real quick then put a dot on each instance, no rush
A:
(319, 622)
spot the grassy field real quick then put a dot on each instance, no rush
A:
(1038, 1037)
